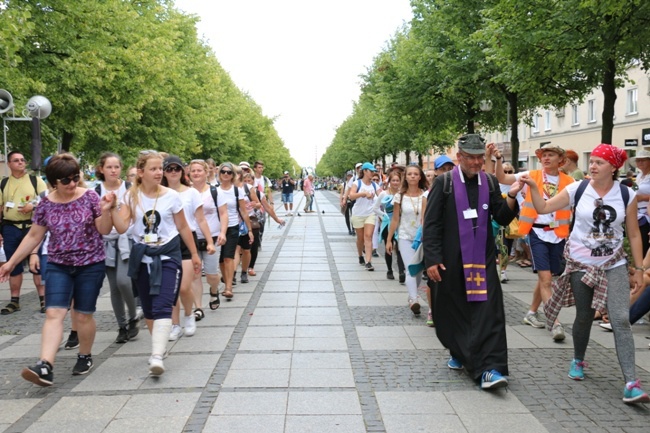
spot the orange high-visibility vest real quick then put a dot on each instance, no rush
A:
(528, 214)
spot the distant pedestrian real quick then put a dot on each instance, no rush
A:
(287, 185)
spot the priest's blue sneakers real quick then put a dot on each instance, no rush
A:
(454, 364)
(576, 370)
(493, 379)
(634, 394)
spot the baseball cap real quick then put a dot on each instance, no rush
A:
(368, 166)
(357, 165)
(244, 164)
(442, 160)
(349, 173)
(472, 144)
(171, 160)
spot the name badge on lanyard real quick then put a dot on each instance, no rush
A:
(469, 214)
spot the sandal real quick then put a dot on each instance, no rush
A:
(251, 272)
(227, 294)
(11, 307)
(216, 303)
(524, 263)
(198, 314)
(42, 306)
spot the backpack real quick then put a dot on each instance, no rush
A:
(98, 188)
(374, 185)
(32, 178)
(213, 192)
(625, 194)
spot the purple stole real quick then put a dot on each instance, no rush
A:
(473, 242)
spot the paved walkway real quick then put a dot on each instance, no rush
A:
(315, 343)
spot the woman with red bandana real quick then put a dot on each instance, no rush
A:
(596, 273)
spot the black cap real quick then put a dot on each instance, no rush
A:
(472, 144)
(171, 160)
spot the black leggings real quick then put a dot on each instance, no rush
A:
(348, 211)
(389, 257)
(254, 249)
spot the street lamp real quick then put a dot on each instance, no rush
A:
(37, 108)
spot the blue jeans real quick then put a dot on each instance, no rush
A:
(640, 306)
(79, 283)
(12, 236)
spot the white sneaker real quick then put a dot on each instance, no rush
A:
(557, 332)
(139, 314)
(156, 366)
(504, 277)
(606, 326)
(175, 333)
(190, 325)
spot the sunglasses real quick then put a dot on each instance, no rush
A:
(67, 180)
(228, 172)
(509, 172)
(173, 168)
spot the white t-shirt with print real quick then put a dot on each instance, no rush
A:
(210, 212)
(230, 199)
(546, 219)
(598, 232)
(410, 215)
(160, 216)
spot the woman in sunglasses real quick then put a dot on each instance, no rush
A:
(236, 205)
(596, 274)
(174, 178)
(76, 219)
(156, 213)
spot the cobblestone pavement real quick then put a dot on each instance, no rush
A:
(315, 343)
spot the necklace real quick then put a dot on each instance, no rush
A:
(416, 206)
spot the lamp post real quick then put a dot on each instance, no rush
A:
(38, 107)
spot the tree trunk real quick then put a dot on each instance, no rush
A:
(394, 157)
(469, 112)
(609, 91)
(66, 141)
(420, 160)
(513, 118)
(408, 157)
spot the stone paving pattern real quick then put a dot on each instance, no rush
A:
(315, 343)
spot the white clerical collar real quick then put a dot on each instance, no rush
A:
(462, 176)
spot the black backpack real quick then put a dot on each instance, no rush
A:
(32, 178)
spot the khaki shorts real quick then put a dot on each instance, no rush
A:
(359, 221)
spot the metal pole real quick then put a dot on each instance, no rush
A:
(4, 134)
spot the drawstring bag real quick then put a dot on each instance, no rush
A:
(512, 230)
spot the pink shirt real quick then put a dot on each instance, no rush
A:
(308, 186)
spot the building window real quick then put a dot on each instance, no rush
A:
(632, 95)
(547, 120)
(591, 110)
(535, 123)
(575, 120)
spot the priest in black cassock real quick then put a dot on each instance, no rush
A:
(460, 254)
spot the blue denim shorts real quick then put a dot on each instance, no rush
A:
(12, 236)
(80, 284)
(287, 198)
(546, 256)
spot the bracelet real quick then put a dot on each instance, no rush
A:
(514, 198)
(640, 268)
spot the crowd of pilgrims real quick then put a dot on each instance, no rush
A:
(152, 236)
(155, 234)
(458, 225)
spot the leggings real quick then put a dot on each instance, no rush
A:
(254, 249)
(618, 307)
(412, 283)
(121, 288)
(389, 257)
(348, 212)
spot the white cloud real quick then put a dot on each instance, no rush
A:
(300, 60)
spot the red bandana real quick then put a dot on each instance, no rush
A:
(611, 154)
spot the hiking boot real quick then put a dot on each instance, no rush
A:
(40, 374)
(493, 379)
(576, 370)
(73, 341)
(133, 329)
(122, 335)
(454, 364)
(557, 332)
(634, 394)
(532, 319)
(389, 275)
(175, 333)
(369, 267)
(83, 365)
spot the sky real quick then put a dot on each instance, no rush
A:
(300, 60)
